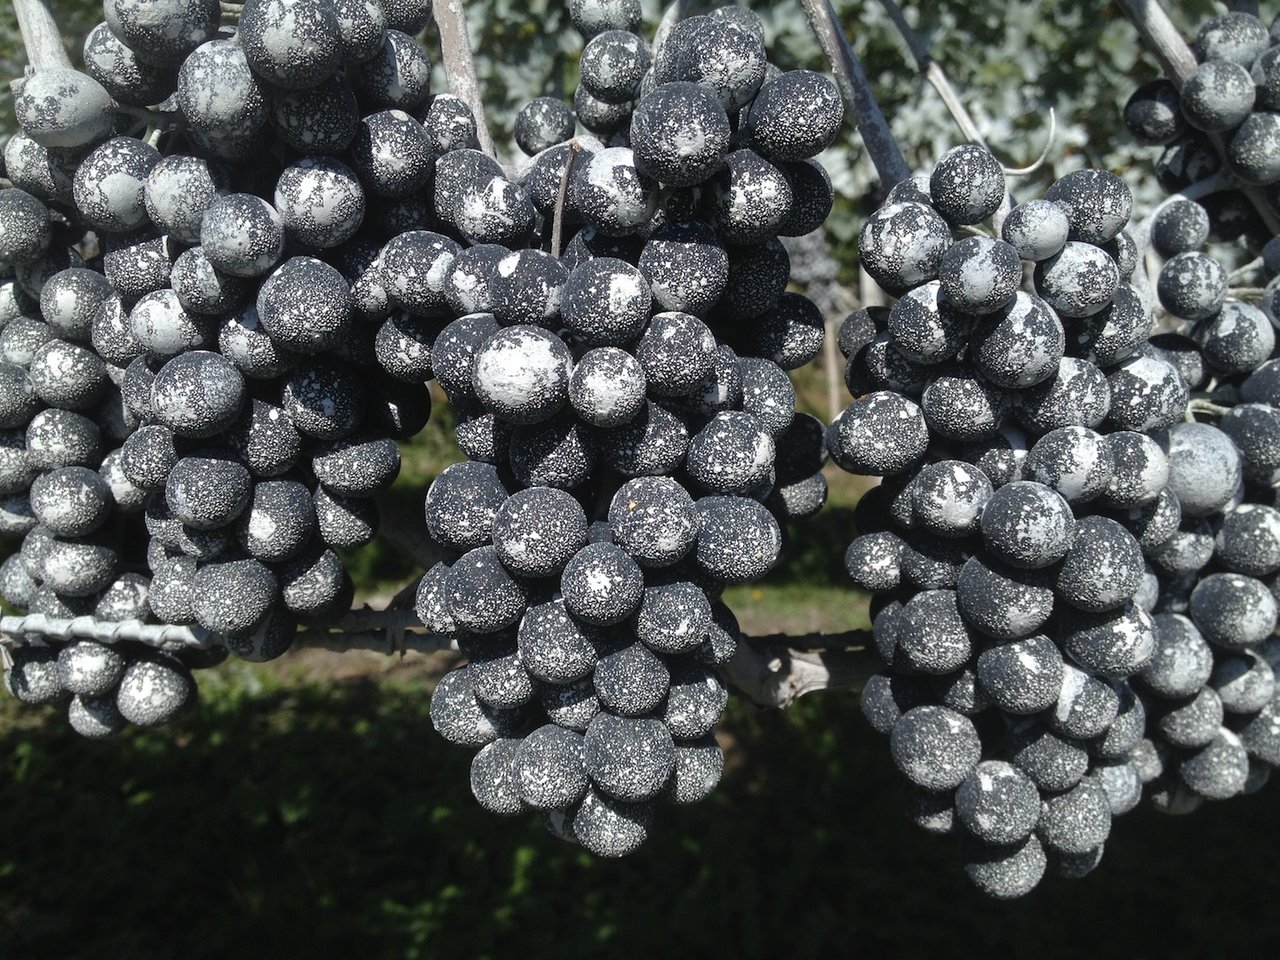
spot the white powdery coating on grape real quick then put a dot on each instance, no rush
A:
(151, 693)
(907, 238)
(1076, 821)
(695, 703)
(608, 386)
(89, 668)
(625, 292)
(297, 38)
(1028, 523)
(492, 203)
(1261, 736)
(884, 432)
(1182, 662)
(1238, 340)
(361, 24)
(218, 93)
(522, 372)
(175, 20)
(321, 201)
(1150, 386)
(80, 569)
(1079, 281)
(242, 235)
(1244, 603)
(110, 184)
(1114, 644)
(1260, 527)
(953, 496)
(1220, 770)
(457, 715)
(550, 768)
(162, 326)
(935, 747)
(1037, 229)
(59, 107)
(1073, 685)
(608, 395)
(1204, 468)
(981, 275)
(1075, 462)
(609, 828)
(388, 156)
(612, 174)
(629, 759)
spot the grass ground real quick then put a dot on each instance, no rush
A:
(306, 810)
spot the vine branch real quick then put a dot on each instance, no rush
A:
(455, 48)
(40, 35)
(1161, 37)
(382, 631)
(858, 96)
(932, 72)
(771, 672)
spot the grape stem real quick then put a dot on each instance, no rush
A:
(455, 48)
(1207, 408)
(1039, 161)
(1164, 40)
(40, 35)
(770, 672)
(557, 221)
(1161, 37)
(932, 72)
(859, 98)
(1245, 270)
(833, 367)
(1251, 294)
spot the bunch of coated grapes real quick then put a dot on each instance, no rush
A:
(1065, 563)
(1227, 113)
(211, 337)
(630, 424)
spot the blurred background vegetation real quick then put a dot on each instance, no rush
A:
(307, 809)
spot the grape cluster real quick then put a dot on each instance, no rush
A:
(1056, 628)
(630, 424)
(211, 336)
(1224, 119)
